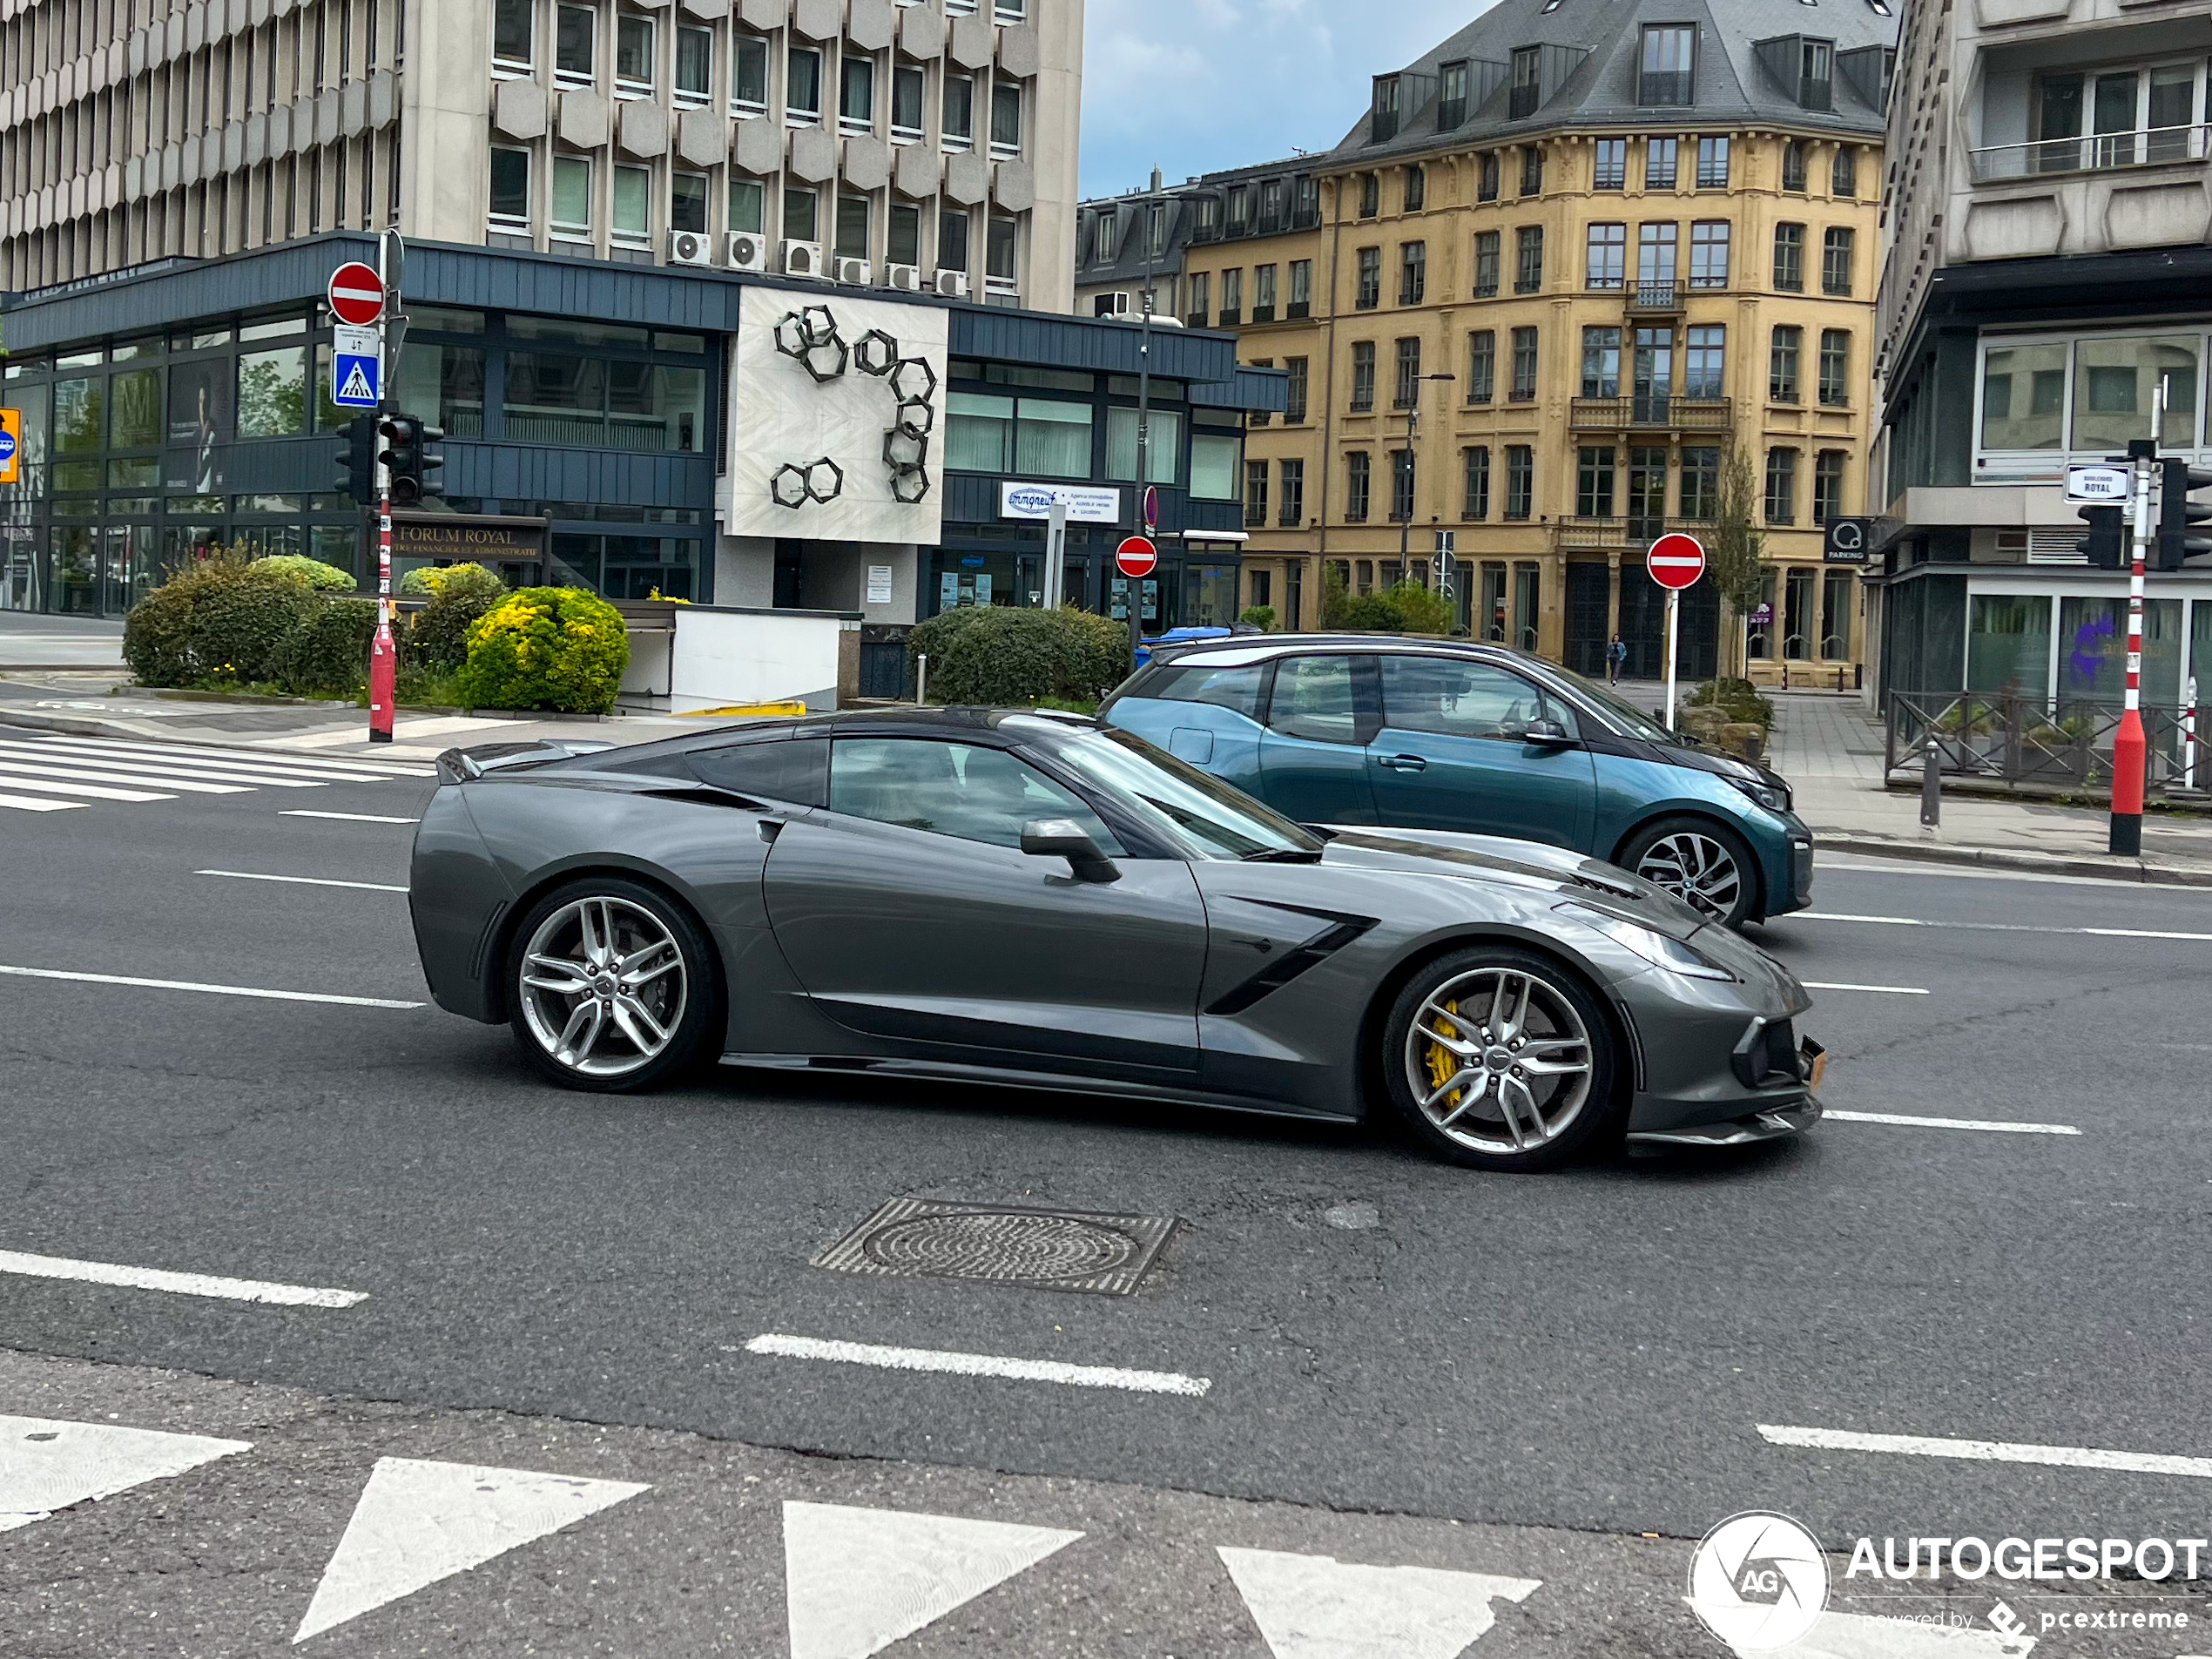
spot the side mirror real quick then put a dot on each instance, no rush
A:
(1063, 838)
(1546, 734)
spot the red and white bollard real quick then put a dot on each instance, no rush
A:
(2130, 750)
(383, 653)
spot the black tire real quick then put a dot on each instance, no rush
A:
(1561, 1022)
(1663, 852)
(644, 926)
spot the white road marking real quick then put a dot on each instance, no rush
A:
(1866, 1635)
(980, 1365)
(1953, 1122)
(349, 818)
(149, 766)
(215, 990)
(91, 792)
(304, 881)
(370, 770)
(1882, 990)
(155, 1278)
(12, 769)
(1316, 1606)
(1875, 866)
(2062, 1457)
(855, 1580)
(419, 1522)
(1997, 927)
(22, 804)
(48, 1464)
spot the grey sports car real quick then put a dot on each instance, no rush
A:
(1034, 899)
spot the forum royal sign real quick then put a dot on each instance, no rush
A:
(466, 537)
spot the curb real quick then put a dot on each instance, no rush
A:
(75, 725)
(2041, 863)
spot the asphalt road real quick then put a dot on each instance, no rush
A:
(1593, 1351)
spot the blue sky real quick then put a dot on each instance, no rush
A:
(1198, 84)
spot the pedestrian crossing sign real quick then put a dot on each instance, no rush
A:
(356, 381)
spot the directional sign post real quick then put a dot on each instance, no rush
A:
(2105, 485)
(1675, 561)
(1135, 558)
(10, 445)
(356, 294)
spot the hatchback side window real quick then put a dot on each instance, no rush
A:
(1459, 699)
(1236, 689)
(1316, 699)
(957, 789)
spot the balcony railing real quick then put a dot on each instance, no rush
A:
(1633, 534)
(2103, 153)
(1656, 296)
(1655, 409)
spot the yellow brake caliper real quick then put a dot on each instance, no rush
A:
(1441, 1062)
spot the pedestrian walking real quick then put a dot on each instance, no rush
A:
(1615, 654)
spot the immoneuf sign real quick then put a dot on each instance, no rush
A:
(466, 536)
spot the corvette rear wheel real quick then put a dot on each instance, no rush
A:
(1499, 1058)
(611, 986)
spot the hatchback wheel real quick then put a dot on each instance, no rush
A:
(1705, 864)
(1500, 1058)
(611, 986)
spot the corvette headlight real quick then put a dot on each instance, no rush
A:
(1648, 943)
(1775, 800)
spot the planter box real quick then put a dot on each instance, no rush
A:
(688, 658)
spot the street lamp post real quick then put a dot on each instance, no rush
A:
(1156, 200)
(1413, 424)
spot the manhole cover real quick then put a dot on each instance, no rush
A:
(1050, 1250)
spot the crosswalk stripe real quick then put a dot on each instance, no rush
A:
(178, 755)
(91, 792)
(159, 768)
(22, 804)
(11, 768)
(373, 770)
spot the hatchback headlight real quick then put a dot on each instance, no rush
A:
(1653, 946)
(1775, 800)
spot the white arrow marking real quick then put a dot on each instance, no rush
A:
(857, 1580)
(419, 1522)
(1859, 1635)
(47, 1465)
(1315, 1607)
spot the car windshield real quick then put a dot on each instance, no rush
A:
(1619, 711)
(1223, 821)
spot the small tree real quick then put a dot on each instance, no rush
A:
(1734, 559)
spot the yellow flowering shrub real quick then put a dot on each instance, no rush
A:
(546, 648)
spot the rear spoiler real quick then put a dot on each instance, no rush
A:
(465, 766)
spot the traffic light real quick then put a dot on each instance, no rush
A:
(2177, 512)
(406, 453)
(356, 473)
(2106, 542)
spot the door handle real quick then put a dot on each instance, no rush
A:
(1404, 763)
(770, 829)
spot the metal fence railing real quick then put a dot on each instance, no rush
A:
(2011, 739)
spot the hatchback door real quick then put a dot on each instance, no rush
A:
(1455, 753)
(909, 913)
(1313, 756)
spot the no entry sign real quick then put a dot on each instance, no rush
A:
(1676, 561)
(356, 294)
(1136, 556)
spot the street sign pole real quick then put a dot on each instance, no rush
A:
(1675, 561)
(1673, 634)
(2130, 752)
(384, 654)
(1056, 554)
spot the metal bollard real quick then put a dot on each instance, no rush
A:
(921, 680)
(1931, 787)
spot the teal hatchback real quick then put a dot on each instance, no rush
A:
(1453, 735)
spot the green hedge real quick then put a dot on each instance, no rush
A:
(546, 648)
(220, 618)
(326, 652)
(459, 594)
(1408, 608)
(323, 578)
(1004, 655)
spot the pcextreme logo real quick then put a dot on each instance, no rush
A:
(1758, 1581)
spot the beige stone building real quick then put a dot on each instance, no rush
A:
(1569, 258)
(923, 146)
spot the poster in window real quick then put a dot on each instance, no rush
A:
(200, 419)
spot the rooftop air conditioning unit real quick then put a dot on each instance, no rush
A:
(802, 260)
(854, 274)
(1114, 305)
(690, 247)
(748, 251)
(907, 279)
(950, 285)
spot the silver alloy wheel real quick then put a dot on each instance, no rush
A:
(1695, 868)
(1499, 1060)
(604, 987)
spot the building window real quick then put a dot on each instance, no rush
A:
(748, 206)
(955, 232)
(1271, 206)
(1102, 237)
(1370, 194)
(1828, 485)
(1790, 257)
(576, 45)
(1486, 188)
(1712, 164)
(1006, 118)
(1705, 362)
(1836, 248)
(1301, 289)
(1413, 273)
(572, 216)
(1475, 503)
(1666, 77)
(687, 202)
(1385, 109)
(1835, 367)
(1294, 392)
(1416, 188)
(1528, 258)
(1606, 261)
(856, 94)
(1521, 481)
(513, 37)
(960, 113)
(749, 76)
(1401, 486)
(1782, 373)
(1482, 364)
(1264, 293)
(1527, 76)
(1292, 515)
(907, 95)
(1000, 254)
(1201, 284)
(1409, 374)
(1255, 494)
(695, 67)
(904, 246)
(1358, 480)
(1370, 294)
(1661, 158)
(1532, 170)
(1657, 246)
(1701, 483)
(1233, 297)
(851, 227)
(510, 191)
(1782, 486)
(634, 53)
(1486, 265)
(1843, 173)
(1611, 167)
(1594, 483)
(801, 214)
(1793, 165)
(1601, 363)
(1524, 364)
(1709, 254)
(1363, 375)
(1816, 74)
(1452, 96)
(803, 85)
